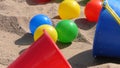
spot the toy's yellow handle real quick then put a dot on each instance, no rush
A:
(111, 11)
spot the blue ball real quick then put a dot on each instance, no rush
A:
(37, 21)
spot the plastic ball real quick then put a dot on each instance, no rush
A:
(41, 1)
(37, 21)
(49, 29)
(69, 0)
(69, 9)
(67, 31)
(92, 10)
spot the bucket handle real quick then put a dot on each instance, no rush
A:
(111, 11)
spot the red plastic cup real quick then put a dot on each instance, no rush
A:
(43, 53)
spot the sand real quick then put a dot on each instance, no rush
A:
(15, 36)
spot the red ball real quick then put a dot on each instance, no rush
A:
(92, 10)
(41, 1)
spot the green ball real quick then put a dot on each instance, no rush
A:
(67, 31)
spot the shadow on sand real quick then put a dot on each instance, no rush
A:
(82, 23)
(32, 2)
(63, 45)
(85, 59)
(26, 39)
(83, 2)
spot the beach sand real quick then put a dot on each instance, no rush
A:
(15, 36)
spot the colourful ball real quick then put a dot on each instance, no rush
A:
(37, 21)
(69, 9)
(49, 29)
(67, 31)
(92, 10)
(69, 0)
(41, 1)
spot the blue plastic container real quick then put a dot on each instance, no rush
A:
(107, 35)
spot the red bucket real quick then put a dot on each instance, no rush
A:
(43, 53)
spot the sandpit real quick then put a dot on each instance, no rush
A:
(15, 35)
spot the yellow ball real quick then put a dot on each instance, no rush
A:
(69, 9)
(49, 29)
(68, 0)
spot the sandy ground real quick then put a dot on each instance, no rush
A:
(15, 36)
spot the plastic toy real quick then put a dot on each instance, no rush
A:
(37, 21)
(43, 53)
(50, 29)
(69, 9)
(67, 31)
(41, 1)
(92, 10)
(69, 0)
(107, 35)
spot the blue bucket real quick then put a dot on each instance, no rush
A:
(107, 35)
